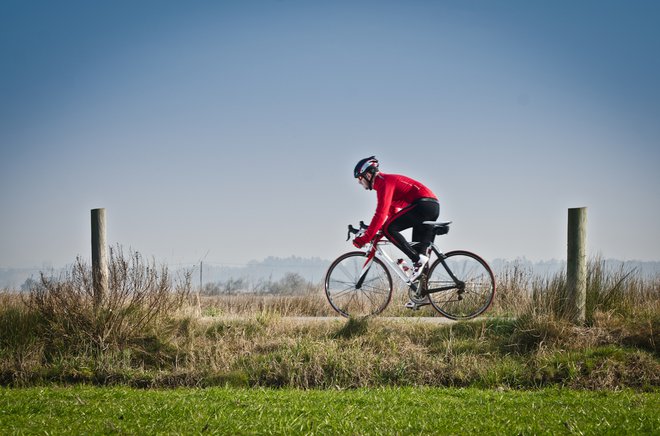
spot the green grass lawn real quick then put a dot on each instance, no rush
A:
(94, 410)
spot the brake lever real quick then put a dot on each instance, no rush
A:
(355, 231)
(352, 230)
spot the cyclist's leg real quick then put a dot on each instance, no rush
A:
(424, 235)
(410, 216)
(393, 229)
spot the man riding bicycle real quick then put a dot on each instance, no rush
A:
(402, 203)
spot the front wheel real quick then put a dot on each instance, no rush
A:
(352, 296)
(461, 287)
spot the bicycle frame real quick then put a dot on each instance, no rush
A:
(374, 250)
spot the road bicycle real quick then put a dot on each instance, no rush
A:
(459, 284)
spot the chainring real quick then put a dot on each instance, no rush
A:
(414, 295)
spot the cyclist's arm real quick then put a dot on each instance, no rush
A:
(385, 194)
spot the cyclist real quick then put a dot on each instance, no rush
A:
(402, 203)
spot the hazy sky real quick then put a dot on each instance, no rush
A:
(230, 129)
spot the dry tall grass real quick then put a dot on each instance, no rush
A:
(623, 292)
(139, 296)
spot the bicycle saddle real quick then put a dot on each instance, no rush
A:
(439, 227)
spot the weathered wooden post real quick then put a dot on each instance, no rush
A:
(99, 257)
(576, 266)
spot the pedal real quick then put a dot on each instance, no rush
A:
(412, 306)
(415, 306)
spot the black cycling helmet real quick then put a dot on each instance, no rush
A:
(366, 165)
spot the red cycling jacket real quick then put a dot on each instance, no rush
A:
(394, 193)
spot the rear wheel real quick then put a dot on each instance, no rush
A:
(468, 293)
(351, 298)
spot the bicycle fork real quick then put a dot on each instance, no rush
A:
(365, 269)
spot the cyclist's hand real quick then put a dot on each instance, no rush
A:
(360, 241)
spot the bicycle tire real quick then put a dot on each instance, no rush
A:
(341, 290)
(477, 294)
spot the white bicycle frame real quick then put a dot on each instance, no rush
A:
(386, 259)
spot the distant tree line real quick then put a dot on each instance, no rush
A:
(290, 284)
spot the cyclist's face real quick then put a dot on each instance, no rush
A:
(364, 181)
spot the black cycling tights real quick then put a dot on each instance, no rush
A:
(412, 216)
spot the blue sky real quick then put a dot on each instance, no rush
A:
(230, 129)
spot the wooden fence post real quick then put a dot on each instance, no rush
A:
(99, 257)
(576, 266)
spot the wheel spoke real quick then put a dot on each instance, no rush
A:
(366, 294)
(378, 290)
(343, 292)
(347, 273)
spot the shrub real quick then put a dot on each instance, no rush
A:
(139, 295)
